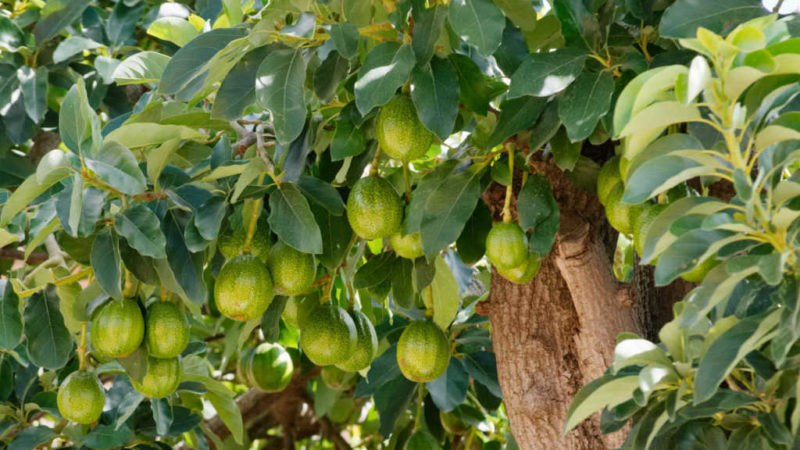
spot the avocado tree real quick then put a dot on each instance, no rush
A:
(399, 224)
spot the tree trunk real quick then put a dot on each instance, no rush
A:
(557, 333)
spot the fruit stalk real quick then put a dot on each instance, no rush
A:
(429, 303)
(510, 187)
(373, 170)
(407, 181)
(251, 229)
(420, 397)
(82, 348)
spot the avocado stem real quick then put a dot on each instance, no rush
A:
(374, 169)
(82, 348)
(510, 187)
(251, 229)
(407, 181)
(420, 398)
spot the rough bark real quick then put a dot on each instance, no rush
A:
(555, 334)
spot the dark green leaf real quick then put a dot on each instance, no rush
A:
(479, 23)
(10, 320)
(375, 271)
(270, 321)
(57, 15)
(565, 152)
(238, 89)
(336, 234)
(120, 25)
(684, 17)
(11, 37)
(162, 414)
(142, 267)
(208, 218)
(450, 389)
(584, 102)
(48, 341)
(428, 25)
(229, 412)
(186, 266)
(482, 366)
(76, 121)
(434, 90)
(471, 244)
(391, 400)
(106, 263)
(384, 70)
(545, 74)
(291, 219)
(32, 437)
(118, 167)
(447, 209)
(188, 69)
(79, 208)
(329, 75)
(72, 46)
(141, 228)
(475, 89)
(321, 193)
(580, 27)
(279, 88)
(108, 436)
(537, 209)
(683, 254)
(34, 91)
(516, 115)
(348, 140)
(402, 283)
(345, 38)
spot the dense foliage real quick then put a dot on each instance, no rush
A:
(218, 195)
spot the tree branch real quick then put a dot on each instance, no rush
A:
(14, 254)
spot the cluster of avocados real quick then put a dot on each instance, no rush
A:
(118, 329)
(636, 220)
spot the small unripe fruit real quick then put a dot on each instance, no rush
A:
(117, 328)
(243, 288)
(81, 397)
(161, 378)
(423, 352)
(328, 335)
(506, 246)
(374, 209)
(167, 330)
(271, 367)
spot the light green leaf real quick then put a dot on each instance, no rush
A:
(174, 29)
(71, 46)
(445, 294)
(606, 391)
(57, 15)
(78, 124)
(659, 115)
(118, 167)
(631, 352)
(157, 158)
(26, 193)
(279, 88)
(135, 135)
(228, 412)
(142, 67)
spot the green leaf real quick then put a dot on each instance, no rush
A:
(474, 88)
(162, 415)
(686, 252)
(228, 412)
(728, 349)
(76, 121)
(631, 352)
(428, 25)
(434, 90)
(402, 283)
(471, 243)
(565, 152)
(32, 437)
(545, 74)
(345, 38)
(26, 193)
(271, 320)
(665, 172)
(157, 158)
(79, 208)
(336, 234)
(11, 37)
(321, 193)
(142, 229)
(482, 366)
(108, 436)
(537, 209)
(34, 91)
(660, 115)
(450, 389)
(174, 29)
(291, 219)
(279, 88)
(445, 294)
(391, 400)
(142, 67)
(375, 271)
(189, 69)
(447, 209)
(479, 23)
(348, 140)
(385, 69)
(10, 320)
(186, 267)
(57, 15)
(520, 12)
(106, 263)
(118, 167)
(606, 391)
(238, 89)
(584, 102)
(134, 135)
(330, 75)
(516, 114)
(684, 17)
(47, 339)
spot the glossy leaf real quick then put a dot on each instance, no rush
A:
(106, 264)
(444, 289)
(545, 74)
(384, 70)
(48, 341)
(279, 88)
(434, 90)
(584, 102)
(142, 229)
(57, 15)
(450, 389)
(10, 319)
(118, 167)
(291, 219)
(684, 17)
(479, 23)
(142, 67)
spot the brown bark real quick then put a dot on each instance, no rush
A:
(557, 333)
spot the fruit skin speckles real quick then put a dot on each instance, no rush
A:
(423, 352)
(243, 288)
(161, 378)
(506, 246)
(366, 344)
(328, 335)
(271, 367)
(167, 330)
(117, 328)
(400, 133)
(292, 271)
(407, 246)
(374, 209)
(81, 397)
